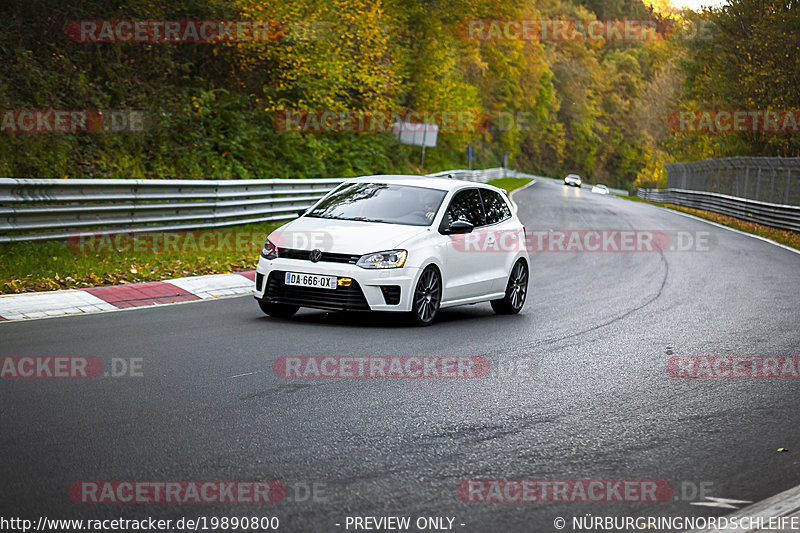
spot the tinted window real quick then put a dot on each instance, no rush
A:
(496, 208)
(381, 202)
(467, 206)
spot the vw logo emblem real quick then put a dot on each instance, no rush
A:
(315, 255)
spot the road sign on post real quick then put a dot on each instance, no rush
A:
(417, 134)
(470, 155)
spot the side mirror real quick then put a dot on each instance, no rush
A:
(301, 212)
(459, 227)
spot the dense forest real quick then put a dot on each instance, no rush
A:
(600, 107)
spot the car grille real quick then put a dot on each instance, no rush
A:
(327, 257)
(340, 299)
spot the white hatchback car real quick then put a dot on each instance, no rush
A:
(397, 243)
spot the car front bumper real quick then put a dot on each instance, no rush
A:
(367, 291)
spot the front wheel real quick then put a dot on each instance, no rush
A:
(516, 290)
(427, 297)
(278, 310)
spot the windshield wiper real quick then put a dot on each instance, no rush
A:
(327, 216)
(365, 219)
(358, 219)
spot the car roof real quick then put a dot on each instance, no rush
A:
(443, 184)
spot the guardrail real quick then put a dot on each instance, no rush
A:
(481, 176)
(763, 179)
(775, 215)
(38, 209)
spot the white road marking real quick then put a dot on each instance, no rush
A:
(724, 503)
(246, 374)
(785, 504)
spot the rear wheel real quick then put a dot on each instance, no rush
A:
(427, 297)
(516, 290)
(278, 310)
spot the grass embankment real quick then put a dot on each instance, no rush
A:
(789, 238)
(114, 260)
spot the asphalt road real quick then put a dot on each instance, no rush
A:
(583, 392)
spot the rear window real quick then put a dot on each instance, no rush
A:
(495, 206)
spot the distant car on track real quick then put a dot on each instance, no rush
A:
(573, 180)
(397, 243)
(600, 189)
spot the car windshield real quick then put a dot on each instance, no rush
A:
(381, 202)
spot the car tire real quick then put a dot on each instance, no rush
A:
(427, 297)
(516, 291)
(278, 310)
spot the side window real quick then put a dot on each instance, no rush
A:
(496, 208)
(467, 206)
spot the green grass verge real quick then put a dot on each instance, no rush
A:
(789, 238)
(509, 184)
(67, 264)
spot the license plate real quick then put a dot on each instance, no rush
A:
(310, 280)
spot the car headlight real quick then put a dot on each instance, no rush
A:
(269, 250)
(388, 259)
